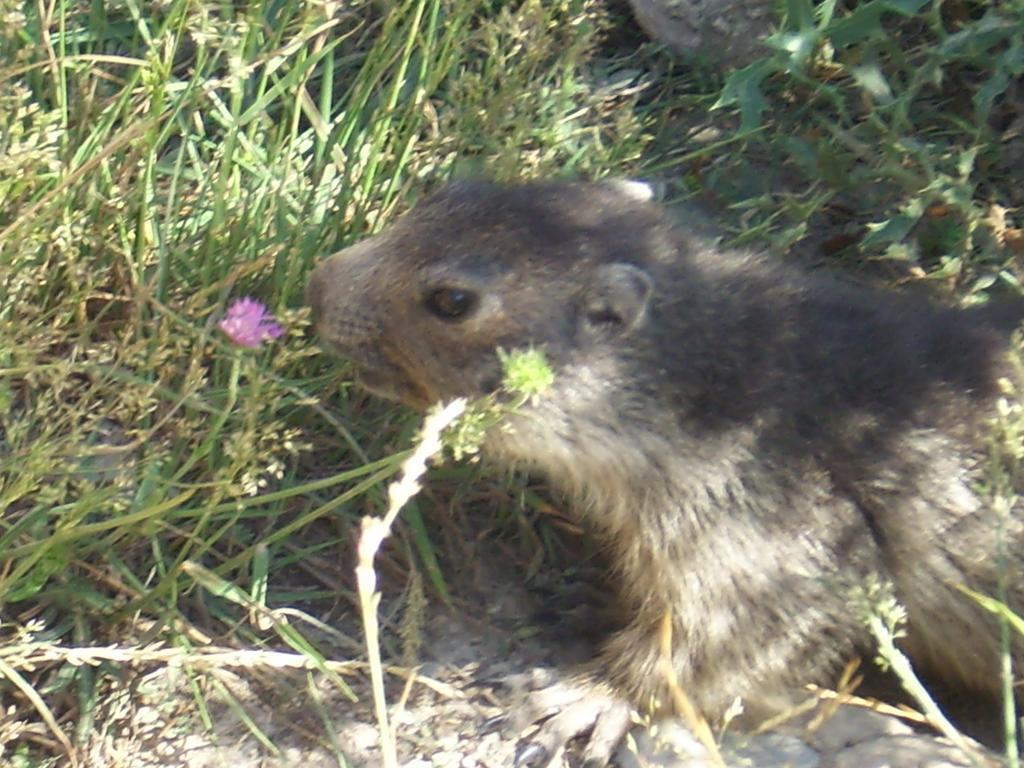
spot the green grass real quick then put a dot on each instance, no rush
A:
(157, 161)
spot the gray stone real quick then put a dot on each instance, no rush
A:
(908, 751)
(769, 750)
(729, 33)
(854, 725)
(665, 744)
(670, 744)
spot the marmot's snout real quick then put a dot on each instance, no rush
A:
(315, 293)
(344, 315)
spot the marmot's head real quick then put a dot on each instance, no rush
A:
(422, 308)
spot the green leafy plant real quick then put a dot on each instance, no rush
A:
(894, 110)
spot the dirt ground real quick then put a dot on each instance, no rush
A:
(450, 712)
(476, 662)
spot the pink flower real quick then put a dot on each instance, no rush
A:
(247, 322)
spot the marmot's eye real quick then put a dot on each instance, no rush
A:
(451, 303)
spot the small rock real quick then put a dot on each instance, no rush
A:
(729, 33)
(665, 744)
(853, 725)
(907, 751)
(670, 744)
(769, 750)
(358, 737)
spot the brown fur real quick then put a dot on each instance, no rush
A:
(749, 441)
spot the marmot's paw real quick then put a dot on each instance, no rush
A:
(565, 711)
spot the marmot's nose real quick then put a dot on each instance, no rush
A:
(315, 292)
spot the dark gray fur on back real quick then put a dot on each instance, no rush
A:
(749, 441)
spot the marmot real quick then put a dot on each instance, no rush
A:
(748, 440)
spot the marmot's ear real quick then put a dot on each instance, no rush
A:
(640, 191)
(616, 298)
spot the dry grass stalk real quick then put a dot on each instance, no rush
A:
(374, 531)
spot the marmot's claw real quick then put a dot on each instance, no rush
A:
(494, 724)
(531, 755)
